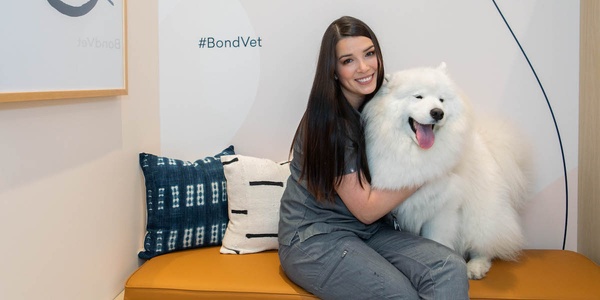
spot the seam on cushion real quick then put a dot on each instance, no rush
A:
(218, 291)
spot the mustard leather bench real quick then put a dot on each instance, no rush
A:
(205, 273)
(171, 273)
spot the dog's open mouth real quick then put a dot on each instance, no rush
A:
(423, 132)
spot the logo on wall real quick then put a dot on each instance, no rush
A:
(75, 11)
(238, 42)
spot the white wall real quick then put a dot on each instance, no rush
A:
(253, 97)
(71, 190)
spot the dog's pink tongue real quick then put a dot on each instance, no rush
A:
(425, 135)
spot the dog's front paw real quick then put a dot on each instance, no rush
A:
(478, 267)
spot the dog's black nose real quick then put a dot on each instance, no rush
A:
(437, 114)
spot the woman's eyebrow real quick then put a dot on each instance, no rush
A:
(369, 48)
(366, 50)
(343, 56)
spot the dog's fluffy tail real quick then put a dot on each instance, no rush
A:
(513, 153)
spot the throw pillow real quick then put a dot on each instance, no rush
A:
(186, 203)
(254, 188)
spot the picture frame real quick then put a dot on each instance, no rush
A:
(61, 49)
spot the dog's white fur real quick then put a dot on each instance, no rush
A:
(473, 180)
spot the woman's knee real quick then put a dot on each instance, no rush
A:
(455, 263)
(451, 280)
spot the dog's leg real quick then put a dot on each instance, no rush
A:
(478, 266)
(443, 227)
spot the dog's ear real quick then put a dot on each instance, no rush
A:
(387, 78)
(442, 67)
(385, 85)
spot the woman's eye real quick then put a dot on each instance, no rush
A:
(370, 53)
(347, 61)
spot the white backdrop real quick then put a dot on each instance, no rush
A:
(43, 49)
(239, 72)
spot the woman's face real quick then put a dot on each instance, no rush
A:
(356, 68)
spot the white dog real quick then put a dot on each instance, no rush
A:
(474, 177)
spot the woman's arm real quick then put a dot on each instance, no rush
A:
(366, 204)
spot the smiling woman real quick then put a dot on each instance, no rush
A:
(357, 67)
(333, 240)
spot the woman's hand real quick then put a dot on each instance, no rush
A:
(366, 204)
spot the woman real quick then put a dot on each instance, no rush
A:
(333, 240)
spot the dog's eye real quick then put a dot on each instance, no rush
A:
(441, 99)
(418, 96)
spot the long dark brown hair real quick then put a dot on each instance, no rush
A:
(329, 120)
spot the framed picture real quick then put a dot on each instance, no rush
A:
(57, 49)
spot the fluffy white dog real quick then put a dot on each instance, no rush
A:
(474, 177)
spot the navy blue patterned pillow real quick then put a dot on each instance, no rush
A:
(186, 203)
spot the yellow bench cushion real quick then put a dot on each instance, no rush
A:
(206, 274)
(540, 274)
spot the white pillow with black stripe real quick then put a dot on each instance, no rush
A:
(254, 189)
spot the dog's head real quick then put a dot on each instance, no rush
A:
(421, 99)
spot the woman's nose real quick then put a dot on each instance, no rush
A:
(362, 66)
